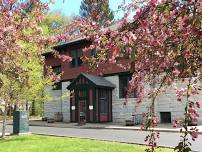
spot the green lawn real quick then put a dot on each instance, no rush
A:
(8, 118)
(35, 143)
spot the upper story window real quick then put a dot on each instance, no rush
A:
(76, 58)
(123, 86)
(57, 85)
(123, 54)
(93, 53)
(57, 69)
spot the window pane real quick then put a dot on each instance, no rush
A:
(57, 69)
(73, 62)
(73, 54)
(57, 86)
(93, 53)
(79, 62)
(123, 86)
(79, 53)
(76, 58)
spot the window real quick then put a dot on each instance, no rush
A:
(57, 85)
(165, 117)
(76, 58)
(123, 86)
(57, 70)
(93, 53)
(103, 102)
(123, 54)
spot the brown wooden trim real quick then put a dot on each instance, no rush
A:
(91, 103)
(97, 105)
(110, 99)
(73, 111)
(104, 75)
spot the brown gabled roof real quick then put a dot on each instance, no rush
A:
(96, 80)
(61, 45)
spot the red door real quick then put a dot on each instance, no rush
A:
(82, 111)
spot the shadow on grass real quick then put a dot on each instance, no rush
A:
(18, 138)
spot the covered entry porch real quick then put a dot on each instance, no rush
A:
(91, 99)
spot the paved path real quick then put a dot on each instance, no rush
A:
(160, 127)
(129, 136)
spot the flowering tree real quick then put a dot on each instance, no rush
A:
(22, 43)
(163, 42)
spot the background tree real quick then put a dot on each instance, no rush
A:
(98, 10)
(55, 23)
(22, 43)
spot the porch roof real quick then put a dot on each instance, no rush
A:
(96, 80)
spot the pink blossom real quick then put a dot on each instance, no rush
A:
(197, 104)
(179, 99)
(194, 134)
(175, 123)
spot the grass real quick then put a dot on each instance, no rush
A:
(7, 118)
(30, 118)
(36, 143)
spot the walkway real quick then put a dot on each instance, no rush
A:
(160, 127)
(128, 136)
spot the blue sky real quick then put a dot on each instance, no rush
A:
(71, 7)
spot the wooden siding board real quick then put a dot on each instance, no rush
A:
(87, 106)
(94, 105)
(71, 120)
(71, 73)
(91, 103)
(110, 99)
(76, 105)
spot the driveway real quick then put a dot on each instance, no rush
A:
(129, 136)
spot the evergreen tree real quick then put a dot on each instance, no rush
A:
(98, 10)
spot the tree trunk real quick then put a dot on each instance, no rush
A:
(27, 106)
(33, 109)
(4, 121)
(10, 111)
(16, 107)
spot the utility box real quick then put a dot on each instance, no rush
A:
(20, 122)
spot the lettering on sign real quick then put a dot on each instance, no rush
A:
(90, 107)
(73, 108)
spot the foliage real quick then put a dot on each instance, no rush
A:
(98, 10)
(55, 23)
(164, 45)
(22, 43)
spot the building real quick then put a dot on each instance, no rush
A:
(99, 98)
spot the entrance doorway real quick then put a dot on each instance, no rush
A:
(91, 100)
(82, 111)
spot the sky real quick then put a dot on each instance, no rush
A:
(71, 7)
